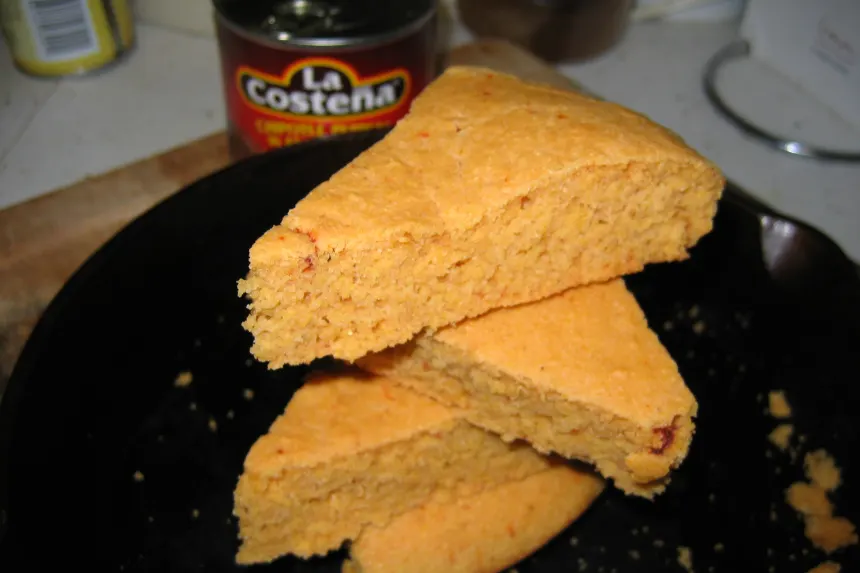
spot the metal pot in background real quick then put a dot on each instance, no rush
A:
(555, 30)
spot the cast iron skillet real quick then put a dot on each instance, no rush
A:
(92, 401)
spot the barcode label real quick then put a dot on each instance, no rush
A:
(63, 29)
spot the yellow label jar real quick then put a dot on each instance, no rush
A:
(65, 37)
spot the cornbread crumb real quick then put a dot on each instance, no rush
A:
(634, 554)
(808, 499)
(574, 541)
(778, 405)
(582, 563)
(781, 436)
(183, 379)
(248, 394)
(719, 547)
(830, 533)
(213, 425)
(195, 513)
(667, 326)
(694, 311)
(192, 406)
(821, 470)
(827, 567)
(138, 476)
(230, 414)
(658, 543)
(685, 558)
(699, 326)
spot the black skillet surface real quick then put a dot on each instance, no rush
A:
(93, 401)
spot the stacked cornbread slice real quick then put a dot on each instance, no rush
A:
(470, 261)
(579, 374)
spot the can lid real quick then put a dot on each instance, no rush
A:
(325, 23)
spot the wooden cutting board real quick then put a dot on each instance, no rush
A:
(44, 240)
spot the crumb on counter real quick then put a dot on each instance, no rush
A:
(138, 476)
(781, 436)
(183, 379)
(719, 547)
(192, 406)
(778, 405)
(699, 326)
(634, 555)
(821, 469)
(213, 425)
(230, 414)
(195, 513)
(248, 394)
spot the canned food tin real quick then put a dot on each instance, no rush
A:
(294, 70)
(65, 37)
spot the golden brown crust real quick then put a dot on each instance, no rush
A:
(590, 344)
(357, 265)
(338, 415)
(484, 533)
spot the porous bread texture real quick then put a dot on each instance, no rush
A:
(491, 192)
(352, 450)
(484, 533)
(580, 374)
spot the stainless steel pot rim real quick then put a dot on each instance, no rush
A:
(741, 49)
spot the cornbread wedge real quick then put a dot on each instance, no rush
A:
(353, 450)
(490, 193)
(484, 533)
(579, 374)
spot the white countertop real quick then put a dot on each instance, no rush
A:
(168, 92)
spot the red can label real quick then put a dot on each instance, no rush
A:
(277, 97)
